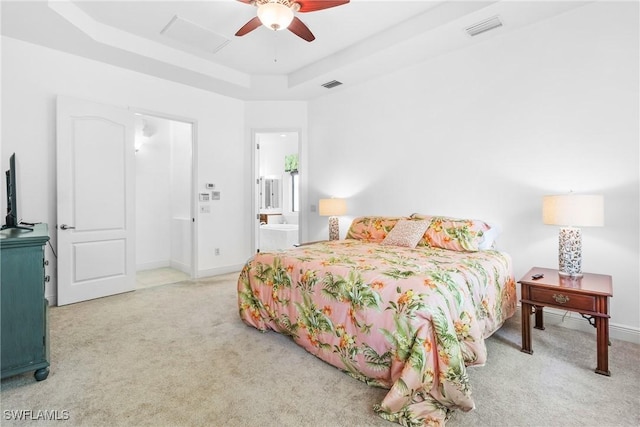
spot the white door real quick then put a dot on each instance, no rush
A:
(95, 190)
(256, 192)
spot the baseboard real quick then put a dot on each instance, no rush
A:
(571, 320)
(219, 271)
(52, 299)
(185, 268)
(153, 265)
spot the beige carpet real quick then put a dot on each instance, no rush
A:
(178, 355)
(159, 276)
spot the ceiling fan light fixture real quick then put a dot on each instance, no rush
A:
(275, 15)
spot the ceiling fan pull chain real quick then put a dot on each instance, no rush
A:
(275, 46)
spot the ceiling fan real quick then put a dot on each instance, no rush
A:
(279, 14)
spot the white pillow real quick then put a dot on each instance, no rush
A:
(490, 236)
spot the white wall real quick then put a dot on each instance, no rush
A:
(32, 76)
(163, 194)
(153, 207)
(181, 175)
(486, 131)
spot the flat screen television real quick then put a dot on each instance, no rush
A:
(12, 220)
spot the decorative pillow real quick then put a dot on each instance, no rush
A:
(407, 232)
(456, 234)
(371, 228)
(423, 241)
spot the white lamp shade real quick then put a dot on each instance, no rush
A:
(275, 15)
(573, 210)
(332, 207)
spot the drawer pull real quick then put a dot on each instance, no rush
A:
(560, 299)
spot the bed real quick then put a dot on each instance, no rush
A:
(403, 303)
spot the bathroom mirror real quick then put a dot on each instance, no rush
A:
(270, 193)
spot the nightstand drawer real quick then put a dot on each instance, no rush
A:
(559, 298)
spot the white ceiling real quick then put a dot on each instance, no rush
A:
(354, 42)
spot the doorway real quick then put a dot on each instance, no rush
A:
(163, 168)
(277, 189)
(96, 199)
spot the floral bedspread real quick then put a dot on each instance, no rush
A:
(410, 320)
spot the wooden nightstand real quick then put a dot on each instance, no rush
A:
(587, 295)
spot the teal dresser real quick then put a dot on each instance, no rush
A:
(25, 338)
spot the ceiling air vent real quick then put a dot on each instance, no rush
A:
(194, 35)
(332, 84)
(483, 26)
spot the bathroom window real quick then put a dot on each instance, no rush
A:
(295, 204)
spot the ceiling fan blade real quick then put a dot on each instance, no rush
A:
(298, 28)
(313, 5)
(249, 26)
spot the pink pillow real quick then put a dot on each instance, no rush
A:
(371, 228)
(456, 234)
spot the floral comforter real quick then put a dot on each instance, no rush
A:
(410, 320)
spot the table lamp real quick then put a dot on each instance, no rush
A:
(571, 211)
(332, 208)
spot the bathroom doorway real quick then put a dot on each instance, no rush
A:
(277, 189)
(164, 225)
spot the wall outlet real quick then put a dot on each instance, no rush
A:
(216, 251)
(313, 208)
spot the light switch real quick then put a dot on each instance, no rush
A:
(205, 209)
(204, 197)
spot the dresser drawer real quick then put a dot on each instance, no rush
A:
(561, 298)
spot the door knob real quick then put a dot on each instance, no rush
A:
(66, 227)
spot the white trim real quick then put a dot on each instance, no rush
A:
(195, 244)
(185, 268)
(52, 299)
(572, 320)
(220, 271)
(152, 265)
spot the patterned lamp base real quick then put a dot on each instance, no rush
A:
(334, 233)
(570, 252)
